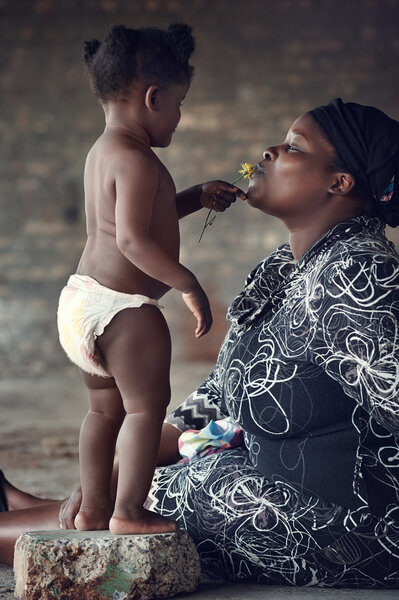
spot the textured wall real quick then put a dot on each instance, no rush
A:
(259, 64)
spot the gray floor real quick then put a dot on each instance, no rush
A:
(257, 592)
(245, 592)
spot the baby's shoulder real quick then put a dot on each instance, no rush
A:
(121, 152)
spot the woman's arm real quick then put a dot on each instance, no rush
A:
(356, 334)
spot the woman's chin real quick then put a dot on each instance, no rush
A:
(252, 198)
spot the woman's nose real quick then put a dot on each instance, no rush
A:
(269, 153)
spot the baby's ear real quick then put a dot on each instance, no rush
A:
(152, 98)
(343, 184)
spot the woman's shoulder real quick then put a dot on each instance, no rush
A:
(363, 265)
(359, 240)
(368, 247)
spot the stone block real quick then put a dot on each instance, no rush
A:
(97, 565)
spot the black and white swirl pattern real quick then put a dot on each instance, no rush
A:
(310, 370)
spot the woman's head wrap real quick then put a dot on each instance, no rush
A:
(367, 142)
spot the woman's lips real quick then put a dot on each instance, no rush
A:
(258, 170)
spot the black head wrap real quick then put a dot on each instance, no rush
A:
(367, 142)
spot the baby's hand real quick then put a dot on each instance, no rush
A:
(219, 195)
(197, 302)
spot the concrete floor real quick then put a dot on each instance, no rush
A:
(258, 592)
(245, 592)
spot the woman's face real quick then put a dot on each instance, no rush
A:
(292, 180)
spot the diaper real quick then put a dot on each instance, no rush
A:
(85, 308)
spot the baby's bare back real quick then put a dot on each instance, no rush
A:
(126, 187)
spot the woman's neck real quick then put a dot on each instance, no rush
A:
(302, 236)
(301, 240)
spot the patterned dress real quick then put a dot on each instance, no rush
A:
(310, 370)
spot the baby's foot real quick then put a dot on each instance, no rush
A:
(92, 520)
(144, 521)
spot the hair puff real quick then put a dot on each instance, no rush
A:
(127, 55)
(90, 47)
(180, 41)
(119, 38)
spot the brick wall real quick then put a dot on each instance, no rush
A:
(259, 64)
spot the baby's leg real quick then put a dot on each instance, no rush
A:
(136, 348)
(97, 442)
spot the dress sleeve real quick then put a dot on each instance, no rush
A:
(353, 312)
(200, 407)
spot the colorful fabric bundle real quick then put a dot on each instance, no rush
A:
(215, 437)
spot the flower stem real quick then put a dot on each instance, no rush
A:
(238, 178)
(209, 221)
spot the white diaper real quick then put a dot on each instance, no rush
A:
(85, 309)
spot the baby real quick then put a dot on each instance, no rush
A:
(109, 319)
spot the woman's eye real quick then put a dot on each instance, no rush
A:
(291, 148)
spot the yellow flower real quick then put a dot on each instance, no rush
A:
(246, 170)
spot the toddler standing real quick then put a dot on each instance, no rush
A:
(109, 319)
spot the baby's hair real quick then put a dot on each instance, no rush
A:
(126, 55)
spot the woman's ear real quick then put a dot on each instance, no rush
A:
(343, 184)
(151, 99)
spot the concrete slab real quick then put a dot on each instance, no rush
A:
(98, 565)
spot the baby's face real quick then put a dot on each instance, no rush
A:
(169, 113)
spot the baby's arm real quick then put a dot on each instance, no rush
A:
(136, 186)
(217, 195)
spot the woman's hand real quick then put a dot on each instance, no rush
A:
(69, 509)
(219, 195)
